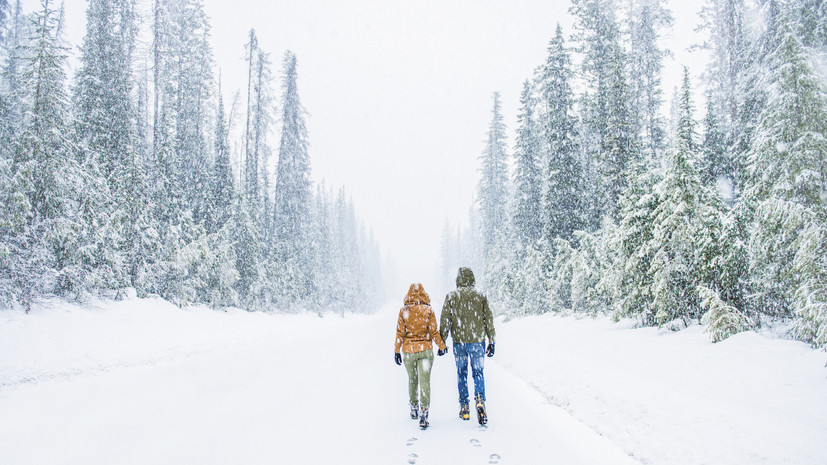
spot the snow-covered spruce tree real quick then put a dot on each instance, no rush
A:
(45, 169)
(15, 271)
(810, 19)
(788, 179)
(106, 132)
(527, 215)
(347, 264)
(633, 295)
(722, 320)
(532, 279)
(291, 218)
(4, 18)
(261, 124)
(565, 197)
(592, 266)
(714, 166)
(493, 203)
(321, 240)
(619, 149)
(752, 94)
(221, 269)
(188, 82)
(11, 54)
(686, 228)
(558, 277)
(609, 117)
(222, 190)
(611, 140)
(173, 219)
(647, 20)
(728, 44)
(247, 240)
(493, 184)
(250, 169)
(10, 92)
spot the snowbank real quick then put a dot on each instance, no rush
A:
(59, 339)
(676, 398)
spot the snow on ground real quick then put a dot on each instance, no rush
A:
(141, 381)
(676, 398)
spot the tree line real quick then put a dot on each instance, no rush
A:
(715, 215)
(125, 175)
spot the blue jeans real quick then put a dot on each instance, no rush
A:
(475, 352)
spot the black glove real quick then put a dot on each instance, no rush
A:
(442, 352)
(490, 350)
(397, 357)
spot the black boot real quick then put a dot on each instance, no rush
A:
(414, 411)
(482, 416)
(464, 412)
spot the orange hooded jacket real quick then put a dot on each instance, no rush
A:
(417, 323)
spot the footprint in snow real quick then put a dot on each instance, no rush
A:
(475, 443)
(412, 459)
(494, 459)
(411, 442)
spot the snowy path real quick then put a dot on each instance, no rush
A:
(320, 394)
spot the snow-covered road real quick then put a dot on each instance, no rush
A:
(141, 381)
(302, 393)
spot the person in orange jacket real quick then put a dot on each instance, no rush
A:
(415, 330)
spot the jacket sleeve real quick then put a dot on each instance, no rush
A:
(400, 333)
(432, 329)
(445, 319)
(488, 321)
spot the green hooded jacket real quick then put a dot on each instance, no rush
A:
(466, 315)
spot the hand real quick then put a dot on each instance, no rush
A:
(442, 352)
(490, 350)
(397, 357)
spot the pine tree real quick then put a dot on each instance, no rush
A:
(222, 189)
(715, 162)
(618, 148)
(322, 241)
(686, 227)
(11, 96)
(4, 18)
(647, 19)
(811, 16)
(45, 167)
(788, 179)
(610, 120)
(291, 218)
(252, 275)
(724, 19)
(527, 216)
(722, 319)
(262, 120)
(105, 129)
(493, 185)
(188, 81)
(250, 164)
(633, 295)
(565, 194)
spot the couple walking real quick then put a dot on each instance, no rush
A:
(467, 318)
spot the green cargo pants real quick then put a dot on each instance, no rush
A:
(418, 366)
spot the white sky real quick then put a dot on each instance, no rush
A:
(399, 95)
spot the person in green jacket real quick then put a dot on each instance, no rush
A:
(467, 318)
